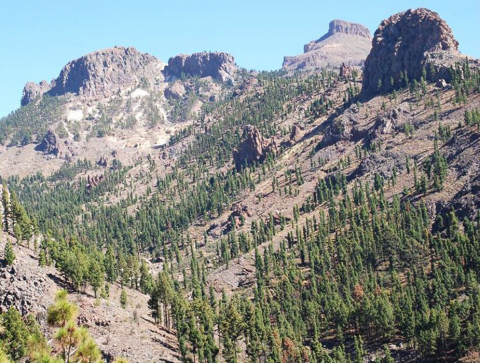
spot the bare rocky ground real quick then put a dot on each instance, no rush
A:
(130, 333)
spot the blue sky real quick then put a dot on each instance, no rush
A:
(39, 37)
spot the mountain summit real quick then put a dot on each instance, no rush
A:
(406, 43)
(344, 42)
(98, 74)
(218, 65)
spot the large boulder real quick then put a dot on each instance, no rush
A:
(253, 149)
(344, 42)
(406, 43)
(175, 91)
(218, 65)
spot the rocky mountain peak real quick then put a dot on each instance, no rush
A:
(103, 72)
(344, 42)
(218, 65)
(406, 42)
(33, 90)
(345, 27)
(337, 26)
(98, 74)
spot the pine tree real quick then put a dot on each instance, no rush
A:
(123, 298)
(17, 232)
(61, 311)
(110, 262)
(6, 208)
(15, 334)
(95, 273)
(9, 255)
(387, 355)
(42, 258)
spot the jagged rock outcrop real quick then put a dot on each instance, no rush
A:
(218, 65)
(253, 149)
(99, 74)
(345, 71)
(49, 144)
(93, 181)
(105, 72)
(33, 91)
(247, 85)
(345, 42)
(175, 91)
(394, 120)
(348, 126)
(295, 135)
(405, 43)
(382, 163)
(237, 217)
(103, 161)
(339, 128)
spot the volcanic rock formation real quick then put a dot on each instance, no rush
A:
(33, 90)
(49, 144)
(99, 74)
(405, 43)
(254, 148)
(220, 66)
(295, 135)
(344, 43)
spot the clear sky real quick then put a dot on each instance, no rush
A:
(38, 37)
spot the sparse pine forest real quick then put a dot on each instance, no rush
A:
(351, 236)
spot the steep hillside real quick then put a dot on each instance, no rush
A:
(31, 289)
(304, 218)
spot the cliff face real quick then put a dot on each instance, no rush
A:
(340, 27)
(218, 65)
(344, 42)
(99, 74)
(406, 42)
(104, 72)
